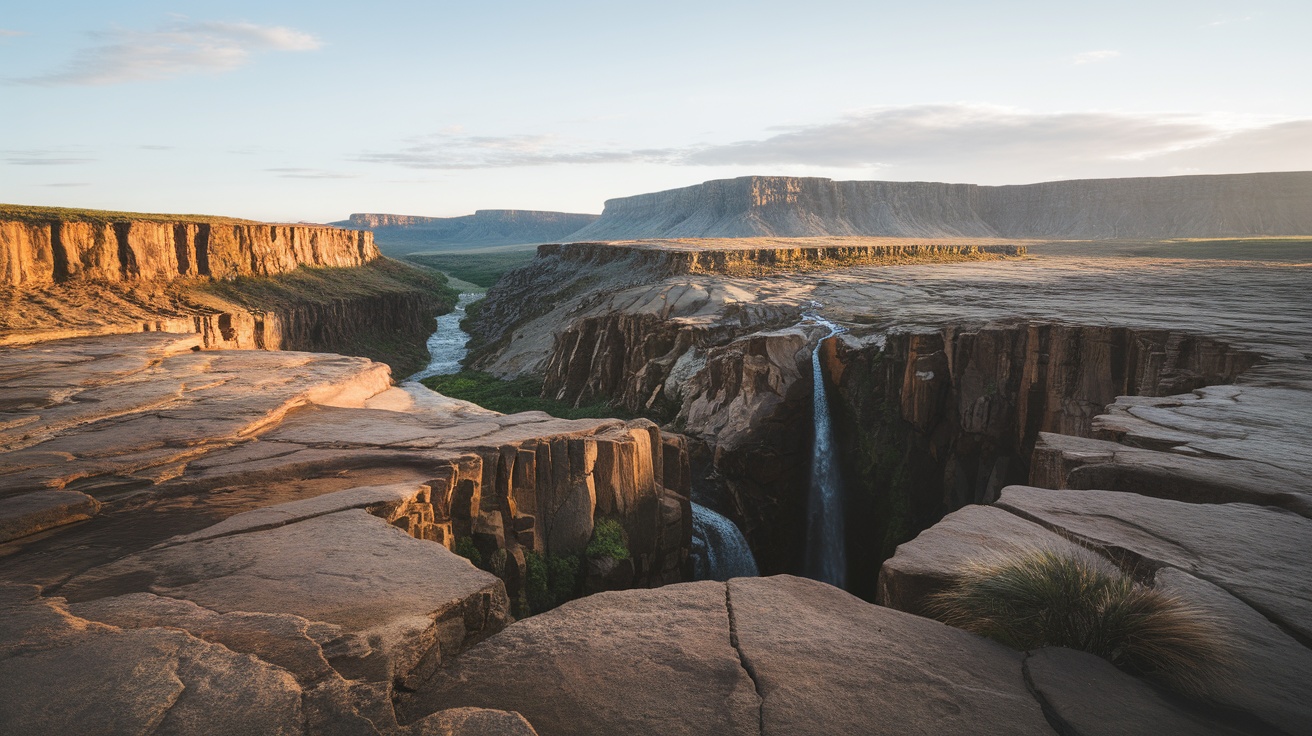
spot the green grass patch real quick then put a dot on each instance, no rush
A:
(608, 541)
(482, 269)
(326, 285)
(515, 395)
(41, 215)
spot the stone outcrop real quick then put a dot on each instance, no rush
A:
(1162, 207)
(400, 234)
(769, 655)
(53, 250)
(296, 513)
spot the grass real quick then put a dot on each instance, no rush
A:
(515, 395)
(40, 215)
(608, 541)
(482, 269)
(326, 285)
(1042, 597)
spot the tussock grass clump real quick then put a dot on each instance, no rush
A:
(1043, 597)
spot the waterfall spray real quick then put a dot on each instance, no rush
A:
(825, 549)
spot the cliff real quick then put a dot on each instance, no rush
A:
(401, 234)
(48, 245)
(1232, 205)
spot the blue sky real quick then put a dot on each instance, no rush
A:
(313, 110)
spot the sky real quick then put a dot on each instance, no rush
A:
(309, 111)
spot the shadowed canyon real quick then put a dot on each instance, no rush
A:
(224, 508)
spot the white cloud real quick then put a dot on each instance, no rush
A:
(47, 157)
(948, 142)
(1093, 57)
(179, 48)
(6, 33)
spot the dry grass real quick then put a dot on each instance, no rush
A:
(42, 215)
(1044, 598)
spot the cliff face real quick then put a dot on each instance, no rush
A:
(931, 422)
(400, 234)
(36, 253)
(1150, 208)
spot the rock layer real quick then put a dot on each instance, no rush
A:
(1163, 207)
(54, 250)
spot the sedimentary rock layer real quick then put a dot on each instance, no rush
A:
(1160, 207)
(43, 252)
(399, 234)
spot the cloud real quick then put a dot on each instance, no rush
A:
(153, 147)
(179, 48)
(1093, 57)
(299, 173)
(40, 157)
(954, 142)
(6, 33)
(448, 150)
(64, 184)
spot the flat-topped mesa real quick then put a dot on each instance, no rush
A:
(1231, 205)
(762, 256)
(37, 250)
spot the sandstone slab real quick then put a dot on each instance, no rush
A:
(1086, 695)
(1257, 554)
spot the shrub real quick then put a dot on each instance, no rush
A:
(466, 549)
(551, 580)
(1042, 597)
(608, 541)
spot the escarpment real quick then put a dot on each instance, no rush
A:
(44, 249)
(1160, 207)
(400, 234)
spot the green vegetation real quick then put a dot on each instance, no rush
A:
(515, 395)
(38, 215)
(608, 541)
(466, 549)
(324, 285)
(551, 581)
(482, 269)
(1041, 598)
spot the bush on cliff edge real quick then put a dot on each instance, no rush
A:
(1044, 598)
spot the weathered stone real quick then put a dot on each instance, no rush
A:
(1086, 695)
(1256, 554)
(470, 722)
(35, 512)
(132, 681)
(420, 601)
(657, 661)
(825, 662)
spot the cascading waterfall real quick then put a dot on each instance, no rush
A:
(826, 559)
(446, 346)
(719, 549)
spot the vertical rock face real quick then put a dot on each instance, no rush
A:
(34, 253)
(934, 421)
(1158, 207)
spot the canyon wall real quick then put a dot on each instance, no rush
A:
(931, 422)
(1231, 205)
(55, 251)
(400, 234)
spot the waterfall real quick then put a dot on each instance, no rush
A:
(719, 550)
(446, 346)
(825, 554)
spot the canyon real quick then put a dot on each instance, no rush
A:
(307, 543)
(401, 234)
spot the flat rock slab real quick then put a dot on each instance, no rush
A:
(930, 562)
(826, 662)
(1257, 554)
(35, 512)
(639, 661)
(155, 680)
(416, 599)
(755, 655)
(471, 722)
(1090, 697)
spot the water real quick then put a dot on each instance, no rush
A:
(825, 556)
(719, 551)
(446, 345)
